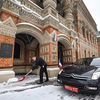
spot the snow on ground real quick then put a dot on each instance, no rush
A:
(42, 93)
(29, 90)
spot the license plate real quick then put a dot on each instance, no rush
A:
(71, 88)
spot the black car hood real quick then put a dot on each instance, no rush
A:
(80, 72)
(88, 74)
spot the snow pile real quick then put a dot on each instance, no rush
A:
(31, 11)
(6, 72)
(12, 80)
(26, 9)
(16, 2)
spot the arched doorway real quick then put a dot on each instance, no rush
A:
(26, 46)
(60, 52)
(64, 49)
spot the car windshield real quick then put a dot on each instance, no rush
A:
(95, 62)
(84, 61)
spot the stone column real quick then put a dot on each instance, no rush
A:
(68, 13)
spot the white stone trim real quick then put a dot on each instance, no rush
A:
(6, 72)
(24, 23)
(32, 30)
(64, 39)
(53, 69)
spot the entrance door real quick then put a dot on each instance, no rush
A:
(60, 52)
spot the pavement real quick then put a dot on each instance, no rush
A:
(31, 82)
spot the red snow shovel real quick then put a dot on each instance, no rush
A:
(24, 77)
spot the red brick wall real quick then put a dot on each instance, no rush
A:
(5, 15)
(99, 47)
(6, 62)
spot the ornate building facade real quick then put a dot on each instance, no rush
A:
(56, 30)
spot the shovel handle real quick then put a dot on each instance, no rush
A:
(28, 72)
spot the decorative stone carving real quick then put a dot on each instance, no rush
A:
(46, 37)
(31, 13)
(8, 27)
(9, 22)
(67, 55)
(44, 52)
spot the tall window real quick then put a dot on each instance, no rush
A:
(60, 52)
(87, 35)
(83, 31)
(17, 51)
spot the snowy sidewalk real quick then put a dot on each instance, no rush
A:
(28, 83)
(29, 90)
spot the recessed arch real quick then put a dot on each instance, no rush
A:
(63, 39)
(32, 37)
(64, 45)
(31, 30)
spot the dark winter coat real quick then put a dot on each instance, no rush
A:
(39, 62)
